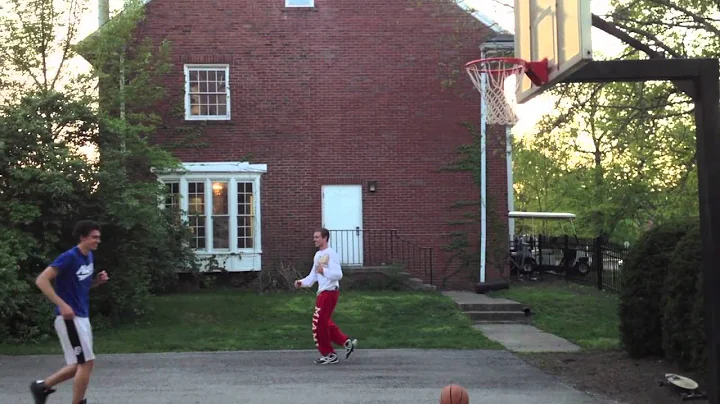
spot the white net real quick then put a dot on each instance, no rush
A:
(497, 80)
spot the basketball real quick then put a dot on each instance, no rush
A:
(454, 394)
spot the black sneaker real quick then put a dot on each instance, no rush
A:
(350, 345)
(327, 360)
(40, 391)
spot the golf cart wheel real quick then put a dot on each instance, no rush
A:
(582, 268)
(528, 266)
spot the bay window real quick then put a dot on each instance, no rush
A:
(221, 204)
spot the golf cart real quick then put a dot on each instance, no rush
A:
(531, 253)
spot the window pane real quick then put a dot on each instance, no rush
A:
(208, 92)
(245, 232)
(220, 198)
(221, 232)
(196, 198)
(245, 219)
(197, 226)
(173, 198)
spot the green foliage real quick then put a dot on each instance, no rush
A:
(697, 337)
(25, 315)
(683, 336)
(618, 155)
(643, 279)
(463, 253)
(44, 187)
(46, 184)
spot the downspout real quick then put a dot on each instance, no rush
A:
(483, 176)
(511, 189)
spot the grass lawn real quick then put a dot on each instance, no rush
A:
(234, 320)
(581, 314)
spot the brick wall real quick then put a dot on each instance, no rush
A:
(341, 94)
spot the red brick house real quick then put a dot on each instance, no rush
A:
(339, 114)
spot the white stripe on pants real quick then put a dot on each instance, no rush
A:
(75, 354)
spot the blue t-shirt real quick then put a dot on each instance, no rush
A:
(75, 276)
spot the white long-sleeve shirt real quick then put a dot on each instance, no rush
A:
(332, 273)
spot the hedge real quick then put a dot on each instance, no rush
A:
(643, 279)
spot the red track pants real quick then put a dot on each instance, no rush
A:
(325, 332)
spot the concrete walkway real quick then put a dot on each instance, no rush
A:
(513, 334)
(525, 338)
(278, 377)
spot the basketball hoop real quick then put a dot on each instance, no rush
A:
(499, 107)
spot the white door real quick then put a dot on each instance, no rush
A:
(342, 216)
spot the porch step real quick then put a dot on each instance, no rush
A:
(418, 284)
(498, 306)
(483, 309)
(496, 316)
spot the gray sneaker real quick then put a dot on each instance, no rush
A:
(327, 360)
(350, 345)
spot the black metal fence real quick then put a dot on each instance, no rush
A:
(361, 247)
(594, 262)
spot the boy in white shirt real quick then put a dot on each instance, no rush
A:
(326, 271)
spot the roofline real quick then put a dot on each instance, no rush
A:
(100, 28)
(487, 21)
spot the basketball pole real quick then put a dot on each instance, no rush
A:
(703, 75)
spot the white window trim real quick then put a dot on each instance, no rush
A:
(233, 173)
(213, 67)
(311, 3)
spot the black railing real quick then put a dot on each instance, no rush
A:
(594, 262)
(363, 247)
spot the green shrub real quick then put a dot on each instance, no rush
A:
(25, 314)
(643, 277)
(696, 331)
(679, 297)
(47, 184)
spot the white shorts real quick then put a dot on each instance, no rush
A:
(76, 339)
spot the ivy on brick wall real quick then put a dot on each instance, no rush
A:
(463, 247)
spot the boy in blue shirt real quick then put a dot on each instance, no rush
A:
(73, 274)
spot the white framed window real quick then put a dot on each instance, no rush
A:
(172, 200)
(207, 92)
(299, 3)
(221, 204)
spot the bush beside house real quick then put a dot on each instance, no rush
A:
(661, 310)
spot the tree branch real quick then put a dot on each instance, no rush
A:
(70, 35)
(649, 35)
(613, 30)
(696, 17)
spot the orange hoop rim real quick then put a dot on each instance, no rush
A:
(515, 62)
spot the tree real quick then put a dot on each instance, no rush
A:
(48, 183)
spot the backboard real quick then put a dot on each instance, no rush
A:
(556, 30)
